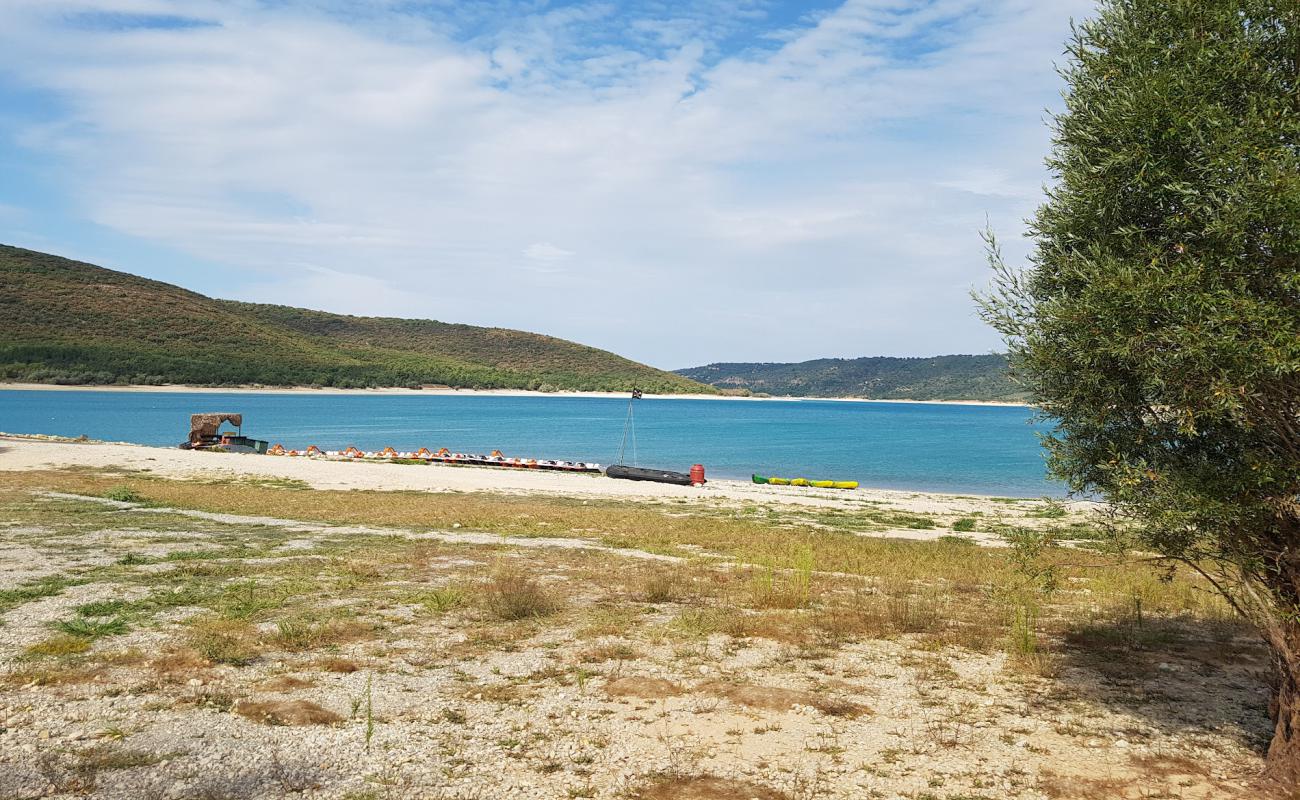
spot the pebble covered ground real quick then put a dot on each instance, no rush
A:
(174, 655)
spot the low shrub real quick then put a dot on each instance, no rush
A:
(123, 494)
(511, 595)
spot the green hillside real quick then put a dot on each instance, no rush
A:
(940, 378)
(64, 321)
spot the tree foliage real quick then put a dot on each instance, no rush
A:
(1159, 319)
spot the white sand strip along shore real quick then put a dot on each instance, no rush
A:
(26, 453)
(307, 390)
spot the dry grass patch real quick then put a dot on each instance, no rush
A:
(852, 621)
(504, 693)
(285, 683)
(508, 637)
(662, 585)
(286, 712)
(604, 620)
(64, 675)
(180, 665)
(787, 627)
(777, 541)
(775, 698)
(512, 595)
(613, 651)
(644, 687)
(225, 641)
(1186, 782)
(922, 612)
(824, 541)
(103, 757)
(308, 632)
(64, 644)
(336, 664)
(705, 788)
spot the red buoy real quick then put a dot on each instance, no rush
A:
(697, 474)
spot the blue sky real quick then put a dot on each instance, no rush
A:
(680, 182)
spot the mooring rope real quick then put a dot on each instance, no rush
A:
(629, 427)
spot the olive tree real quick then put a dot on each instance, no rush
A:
(1158, 318)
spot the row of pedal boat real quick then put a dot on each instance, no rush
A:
(442, 456)
(497, 459)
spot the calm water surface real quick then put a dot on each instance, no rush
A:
(965, 449)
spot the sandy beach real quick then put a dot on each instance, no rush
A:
(18, 453)
(291, 390)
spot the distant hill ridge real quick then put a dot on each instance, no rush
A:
(955, 377)
(64, 321)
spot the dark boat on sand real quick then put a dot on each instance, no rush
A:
(642, 474)
(634, 473)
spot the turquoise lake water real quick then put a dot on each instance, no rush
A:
(963, 449)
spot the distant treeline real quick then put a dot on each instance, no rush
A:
(956, 377)
(63, 321)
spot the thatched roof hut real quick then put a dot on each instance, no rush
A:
(205, 426)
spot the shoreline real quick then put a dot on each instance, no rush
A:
(20, 452)
(491, 478)
(173, 388)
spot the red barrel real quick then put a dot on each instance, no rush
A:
(697, 474)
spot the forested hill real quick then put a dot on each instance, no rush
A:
(64, 321)
(940, 378)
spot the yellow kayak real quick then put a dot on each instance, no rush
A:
(806, 482)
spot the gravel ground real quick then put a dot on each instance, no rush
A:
(457, 704)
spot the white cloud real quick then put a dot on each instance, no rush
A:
(546, 252)
(816, 193)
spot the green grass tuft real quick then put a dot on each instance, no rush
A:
(93, 628)
(124, 494)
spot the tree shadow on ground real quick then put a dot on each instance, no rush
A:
(1176, 675)
(101, 770)
(1196, 693)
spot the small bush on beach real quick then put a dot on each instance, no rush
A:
(123, 494)
(661, 586)
(512, 595)
(964, 525)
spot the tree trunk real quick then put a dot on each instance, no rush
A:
(1283, 637)
(1284, 708)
